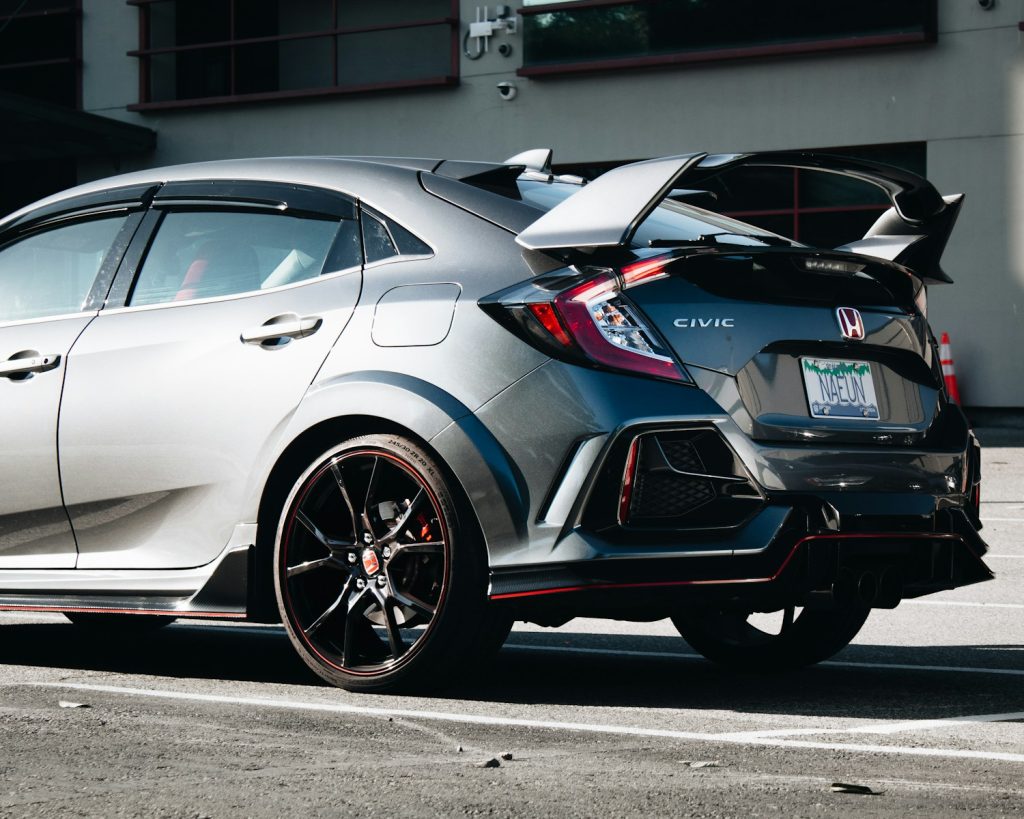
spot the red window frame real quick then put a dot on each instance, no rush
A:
(929, 35)
(144, 55)
(795, 211)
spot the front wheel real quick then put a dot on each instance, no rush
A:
(380, 583)
(729, 637)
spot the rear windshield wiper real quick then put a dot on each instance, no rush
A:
(712, 239)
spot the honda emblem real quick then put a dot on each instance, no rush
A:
(371, 564)
(851, 325)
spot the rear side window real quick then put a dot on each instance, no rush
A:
(204, 254)
(51, 273)
(384, 238)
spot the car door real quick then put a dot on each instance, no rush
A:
(47, 275)
(205, 348)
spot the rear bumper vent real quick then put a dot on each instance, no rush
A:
(671, 480)
(673, 492)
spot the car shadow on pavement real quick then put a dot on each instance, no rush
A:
(575, 669)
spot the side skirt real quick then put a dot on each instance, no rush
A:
(223, 595)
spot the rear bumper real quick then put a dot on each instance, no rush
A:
(749, 520)
(819, 568)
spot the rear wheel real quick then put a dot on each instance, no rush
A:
(738, 639)
(380, 585)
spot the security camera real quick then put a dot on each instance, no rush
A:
(507, 90)
(505, 50)
(987, 4)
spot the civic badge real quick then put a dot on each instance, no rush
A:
(371, 564)
(851, 325)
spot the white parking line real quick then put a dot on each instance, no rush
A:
(550, 725)
(883, 728)
(678, 655)
(967, 603)
(1016, 557)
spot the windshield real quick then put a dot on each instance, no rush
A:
(668, 222)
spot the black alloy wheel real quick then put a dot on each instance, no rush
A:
(804, 637)
(379, 586)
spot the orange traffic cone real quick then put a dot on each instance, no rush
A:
(948, 370)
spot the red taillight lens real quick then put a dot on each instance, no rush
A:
(608, 328)
(589, 320)
(547, 316)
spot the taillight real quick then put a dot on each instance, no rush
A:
(592, 321)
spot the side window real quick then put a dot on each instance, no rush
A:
(377, 243)
(202, 254)
(50, 273)
(384, 238)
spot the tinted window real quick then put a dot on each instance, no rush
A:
(51, 273)
(384, 238)
(198, 255)
(377, 242)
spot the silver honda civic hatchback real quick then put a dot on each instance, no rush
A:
(399, 404)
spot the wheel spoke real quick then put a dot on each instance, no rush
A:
(311, 527)
(427, 547)
(413, 602)
(398, 646)
(316, 624)
(340, 480)
(787, 619)
(310, 565)
(371, 487)
(352, 619)
(403, 521)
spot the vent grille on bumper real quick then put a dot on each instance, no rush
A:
(671, 480)
(666, 493)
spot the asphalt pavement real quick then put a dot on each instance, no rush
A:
(925, 710)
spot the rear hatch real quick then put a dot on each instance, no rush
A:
(814, 346)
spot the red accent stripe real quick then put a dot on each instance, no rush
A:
(734, 581)
(226, 615)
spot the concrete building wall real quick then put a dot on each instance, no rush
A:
(964, 96)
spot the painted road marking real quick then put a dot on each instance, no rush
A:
(550, 725)
(678, 655)
(967, 603)
(885, 728)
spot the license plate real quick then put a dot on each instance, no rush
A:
(839, 389)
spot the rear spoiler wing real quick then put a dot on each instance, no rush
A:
(608, 211)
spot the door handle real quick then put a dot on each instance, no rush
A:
(288, 325)
(29, 362)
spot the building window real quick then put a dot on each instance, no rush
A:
(816, 208)
(40, 50)
(202, 52)
(588, 35)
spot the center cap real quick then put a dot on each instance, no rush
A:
(371, 564)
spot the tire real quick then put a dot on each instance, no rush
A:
(378, 571)
(726, 637)
(119, 623)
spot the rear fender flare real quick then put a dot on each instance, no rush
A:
(483, 469)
